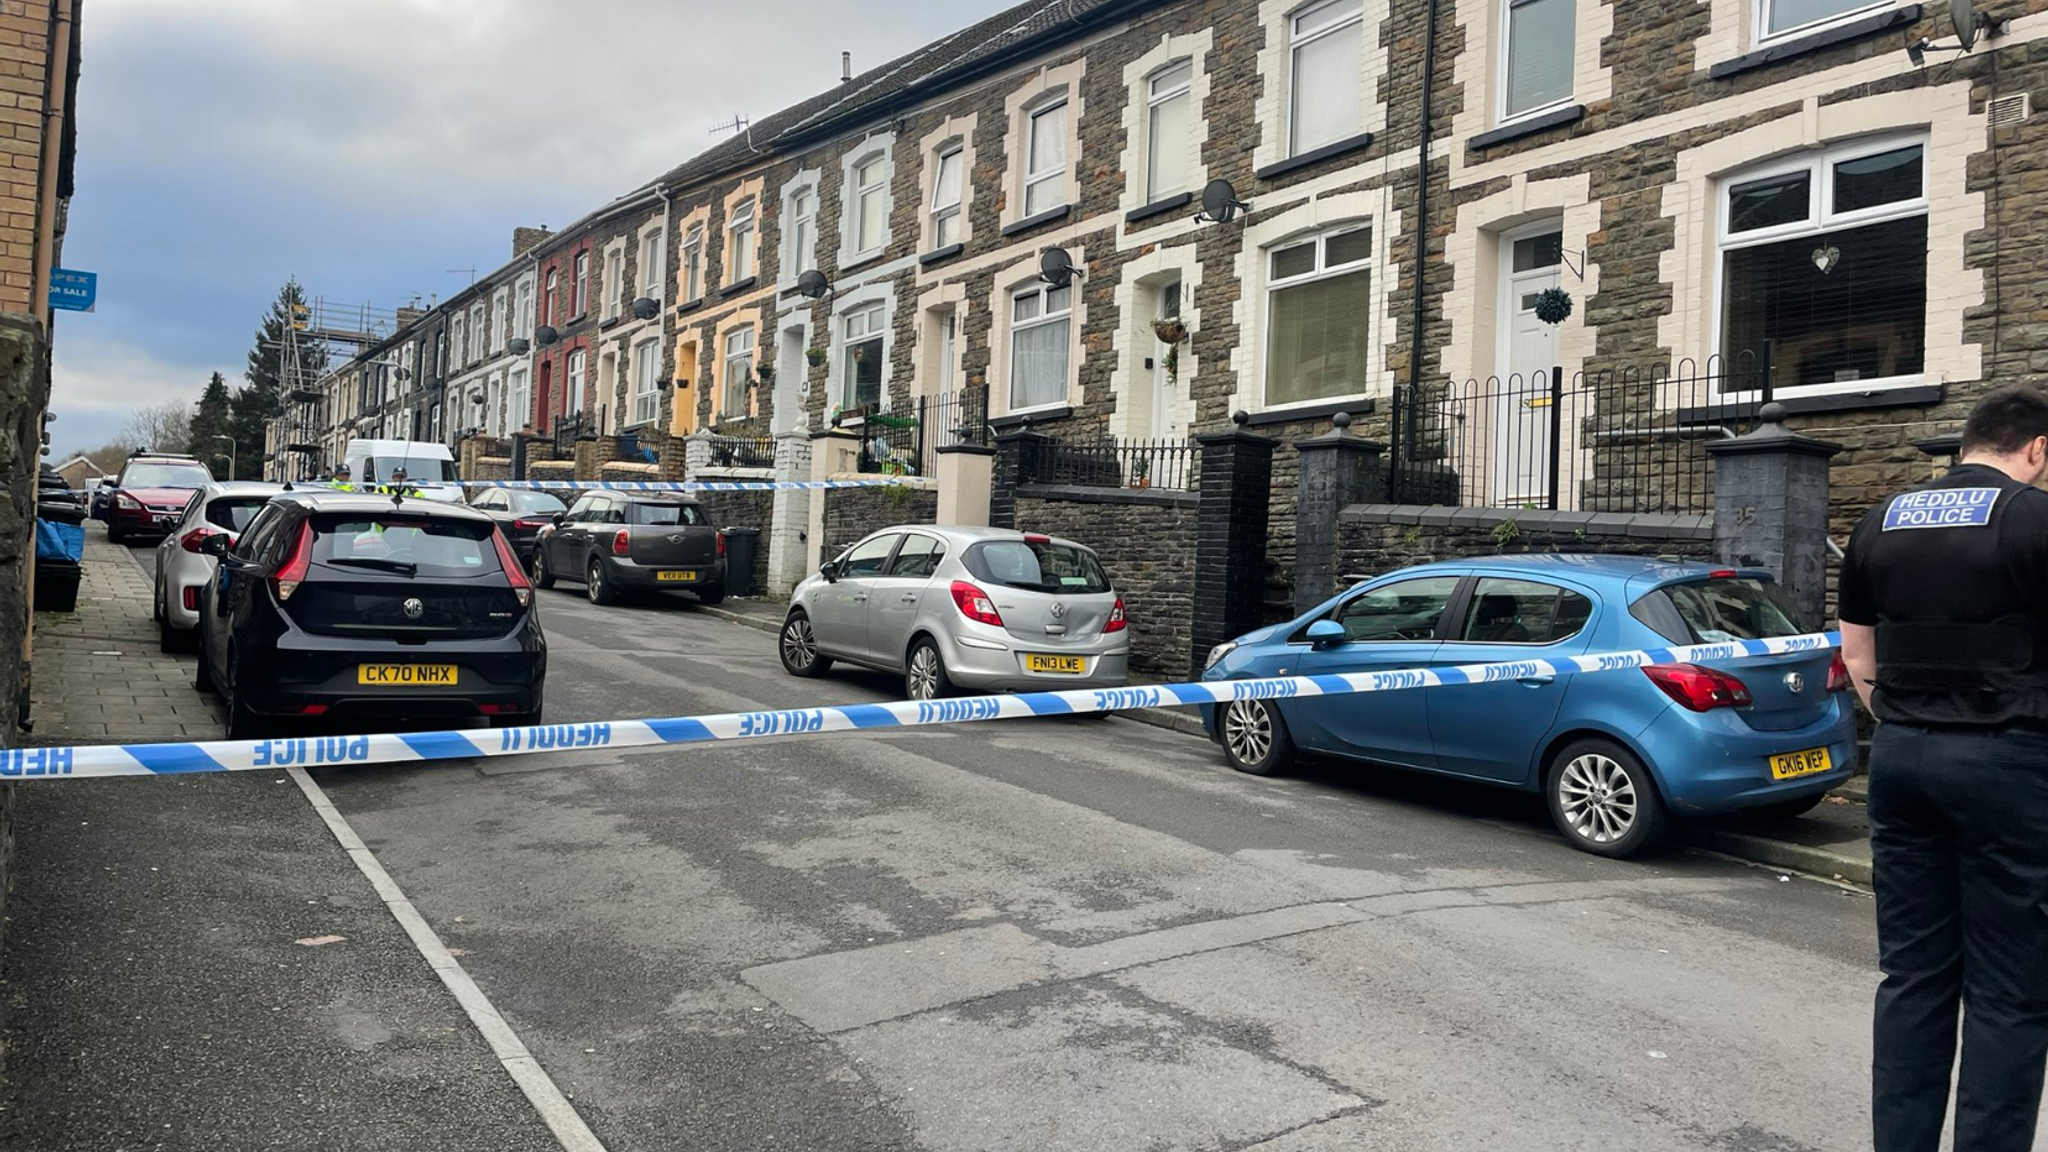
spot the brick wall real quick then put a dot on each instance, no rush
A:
(1374, 539)
(1146, 542)
(851, 513)
(24, 73)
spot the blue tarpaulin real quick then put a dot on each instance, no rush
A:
(56, 541)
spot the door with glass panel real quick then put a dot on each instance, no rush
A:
(1166, 406)
(1529, 259)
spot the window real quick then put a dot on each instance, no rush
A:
(646, 382)
(665, 514)
(739, 244)
(652, 257)
(457, 339)
(498, 319)
(494, 407)
(693, 264)
(582, 283)
(1037, 566)
(1537, 67)
(803, 229)
(614, 283)
(1827, 258)
(861, 383)
(1718, 610)
(547, 299)
(1045, 150)
(868, 557)
(870, 203)
(946, 196)
(919, 556)
(1326, 57)
(523, 319)
(476, 335)
(1523, 612)
(1169, 115)
(1408, 610)
(739, 371)
(576, 382)
(1040, 317)
(521, 403)
(1319, 297)
(1778, 17)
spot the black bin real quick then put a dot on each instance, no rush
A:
(741, 546)
(56, 586)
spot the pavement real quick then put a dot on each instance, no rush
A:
(1040, 934)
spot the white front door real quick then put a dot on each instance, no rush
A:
(1166, 406)
(1529, 260)
(790, 369)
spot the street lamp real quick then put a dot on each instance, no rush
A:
(231, 453)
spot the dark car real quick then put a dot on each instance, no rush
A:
(149, 496)
(615, 541)
(520, 514)
(369, 608)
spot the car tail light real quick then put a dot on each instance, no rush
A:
(1838, 675)
(514, 572)
(191, 597)
(975, 604)
(195, 540)
(721, 545)
(497, 709)
(311, 709)
(529, 525)
(1035, 538)
(293, 573)
(622, 541)
(1723, 574)
(1117, 620)
(126, 501)
(1700, 689)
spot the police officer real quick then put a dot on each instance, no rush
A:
(341, 479)
(1944, 618)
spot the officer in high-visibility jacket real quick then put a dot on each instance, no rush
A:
(1944, 618)
(340, 483)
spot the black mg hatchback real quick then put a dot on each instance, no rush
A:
(370, 608)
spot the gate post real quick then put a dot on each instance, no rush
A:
(1337, 470)
(1771, 507)
(1230, 537)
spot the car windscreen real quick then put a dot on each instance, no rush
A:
(409, 546)
(534, 503)
(165, 476)
(1038, 566)
(418, 469)
(664, 514)
(234, 512)
(1718, 609)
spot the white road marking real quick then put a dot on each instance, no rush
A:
(554, 1108)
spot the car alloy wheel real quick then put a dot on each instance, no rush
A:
(799, 646)
(1597, 798)
(1255, 738)
(925, 673)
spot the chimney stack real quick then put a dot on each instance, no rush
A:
(846, 67)
(407, 314)
(524, 239)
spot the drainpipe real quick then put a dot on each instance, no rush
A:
(668, 224)
(1421, 228)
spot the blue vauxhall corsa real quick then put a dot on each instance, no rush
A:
(1617, 754)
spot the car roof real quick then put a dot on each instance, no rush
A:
(1588, 566)
(243, 488)
(965, 534)
(328, 500)
(160, 458)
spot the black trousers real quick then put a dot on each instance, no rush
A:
(1959, 835)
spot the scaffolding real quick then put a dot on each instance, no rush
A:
(322, 338)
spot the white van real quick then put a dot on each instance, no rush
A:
(430, 468)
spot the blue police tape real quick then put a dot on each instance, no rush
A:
(684, 485)
(317, 751)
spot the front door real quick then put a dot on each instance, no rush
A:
(545, 408)
(1166, 404)
(1521, 469)
(683, 416)
(789, 381)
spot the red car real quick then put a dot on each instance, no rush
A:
(149, 496)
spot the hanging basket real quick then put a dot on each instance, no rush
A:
(1169, 330)
(1553, 305)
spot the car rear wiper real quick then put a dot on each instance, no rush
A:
(402, 567)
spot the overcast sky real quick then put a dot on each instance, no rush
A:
(369, 146)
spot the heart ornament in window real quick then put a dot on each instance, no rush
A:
(1825, 258)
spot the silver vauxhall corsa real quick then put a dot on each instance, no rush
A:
(982, 609)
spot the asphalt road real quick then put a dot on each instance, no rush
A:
(1073, 934)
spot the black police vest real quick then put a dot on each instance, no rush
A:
(1943, 671)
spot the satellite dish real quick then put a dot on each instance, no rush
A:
(812, 284)
(1964, 17)
(1056, 268)
(1220, 203)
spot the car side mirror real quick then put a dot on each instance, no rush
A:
(215, 546)
(1325, 633)
(560, 518)
(830, 572)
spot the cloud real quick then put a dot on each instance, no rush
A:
(96, 384)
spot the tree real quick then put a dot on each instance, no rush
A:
(258, 400)
(211, 419)
(161, 427)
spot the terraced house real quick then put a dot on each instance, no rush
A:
(1626, 228)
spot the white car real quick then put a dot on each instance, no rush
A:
(183, 569)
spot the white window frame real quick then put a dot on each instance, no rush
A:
(614, 283)
(576, 382)
(653, 258)
(942, 212)
(519, 399)
(1032, 115)
(1154, 99)
(1507, 47)
(498, 318)
(1296, 40)
(1764, 35)
(458, 337)
(1319, 238)
(646, 382)
(477, 330)
(522, 320)
(874, 316)
(551, 296)
(800, 230)
(1043, 319)
(857, 205)
(582, 275)
(693, 264)
(1821, 219)
(728, 356)
(741, 259)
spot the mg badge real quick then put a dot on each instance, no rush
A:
(1795, 682)
(414, 610)
(1059, 610)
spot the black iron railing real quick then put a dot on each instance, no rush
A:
(904, 440)
(742, 452)
(1112, 462)
(565, 431)
(1629, 439)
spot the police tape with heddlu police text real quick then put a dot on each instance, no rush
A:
(315, 751)
(607, 485)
